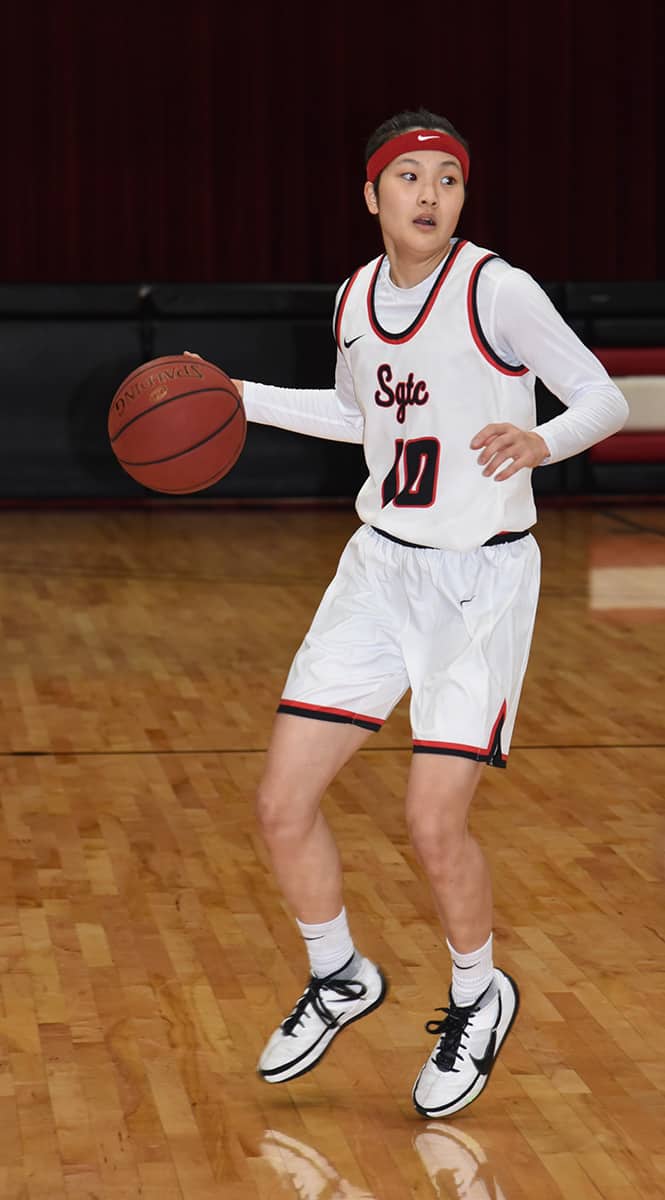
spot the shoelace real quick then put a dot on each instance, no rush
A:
(347, 989)
(451, 1029)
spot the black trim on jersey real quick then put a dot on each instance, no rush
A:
(500, 538)
(497, 540)
(294, 710)
(438, 283)
(491, 353)
(340, 307)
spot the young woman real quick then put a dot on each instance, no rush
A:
(439, 343)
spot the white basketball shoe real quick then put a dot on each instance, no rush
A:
(469, 1041)
(323, 1010)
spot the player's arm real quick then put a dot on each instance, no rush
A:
(524, 327)
(320, 412)
(331, 413)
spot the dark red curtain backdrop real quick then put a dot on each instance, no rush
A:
(210, 141)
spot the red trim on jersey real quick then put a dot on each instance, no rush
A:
(400, 338)
(476, 331)
(338, 712)
(342, 304)
(480, 750)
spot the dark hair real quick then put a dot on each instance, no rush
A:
(420, 118)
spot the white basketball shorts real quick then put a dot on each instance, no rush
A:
(453, 626)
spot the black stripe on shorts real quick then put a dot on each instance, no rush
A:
(323, 714)
(492, 760)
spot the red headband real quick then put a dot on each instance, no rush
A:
(416, 139)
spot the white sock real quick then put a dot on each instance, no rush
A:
(329, 945)
(472, 973)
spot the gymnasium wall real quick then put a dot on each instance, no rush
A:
(65, 348)
(190, 175)
(201, 141)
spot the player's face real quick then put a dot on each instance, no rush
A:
(418, 204)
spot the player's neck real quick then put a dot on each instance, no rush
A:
(407, 271)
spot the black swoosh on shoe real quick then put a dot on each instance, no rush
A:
(484, 1064)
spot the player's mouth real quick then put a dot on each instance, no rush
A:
(425, 222)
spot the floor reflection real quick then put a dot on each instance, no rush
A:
(627, 576)
(310, 1173)
(455, 1164)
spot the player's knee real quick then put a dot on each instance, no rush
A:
(270, 809)
(278, 814)
(437, 838)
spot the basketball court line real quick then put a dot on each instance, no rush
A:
(264, 749)
(638, 526)
(49, 572)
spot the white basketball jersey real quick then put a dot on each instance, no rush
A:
(424, 394)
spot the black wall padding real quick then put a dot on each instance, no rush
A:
(65, 349)
(622, 313)
(620, 298)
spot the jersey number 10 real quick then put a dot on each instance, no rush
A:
(411, 481)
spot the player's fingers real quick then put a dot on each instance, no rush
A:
(191, 354)
(500, 444)
(496, 464)
(512, 459)
(509, 471)
(519, 463)
(488, 432)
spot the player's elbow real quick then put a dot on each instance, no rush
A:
(622, 413)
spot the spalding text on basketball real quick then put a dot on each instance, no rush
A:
(152, 380)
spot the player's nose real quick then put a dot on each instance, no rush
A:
(428, 194)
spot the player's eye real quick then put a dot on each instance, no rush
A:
(448, 180)
(408, 175)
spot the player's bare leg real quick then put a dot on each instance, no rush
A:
(483, 1000)
(303, 758)
(439, 796)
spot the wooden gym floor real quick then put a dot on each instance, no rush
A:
(145, 954)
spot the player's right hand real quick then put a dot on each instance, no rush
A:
(238, 382)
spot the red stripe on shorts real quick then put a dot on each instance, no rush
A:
(464, 749)
(345, 713)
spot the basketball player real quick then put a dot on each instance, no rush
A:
(439, 344)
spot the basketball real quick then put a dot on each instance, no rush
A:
(177, 424)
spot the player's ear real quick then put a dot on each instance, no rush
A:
(371, 198)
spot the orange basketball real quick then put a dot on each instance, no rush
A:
(177, 424)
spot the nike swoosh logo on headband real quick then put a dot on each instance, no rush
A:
(430, 137)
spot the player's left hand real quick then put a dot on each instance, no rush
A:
(501, 443)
